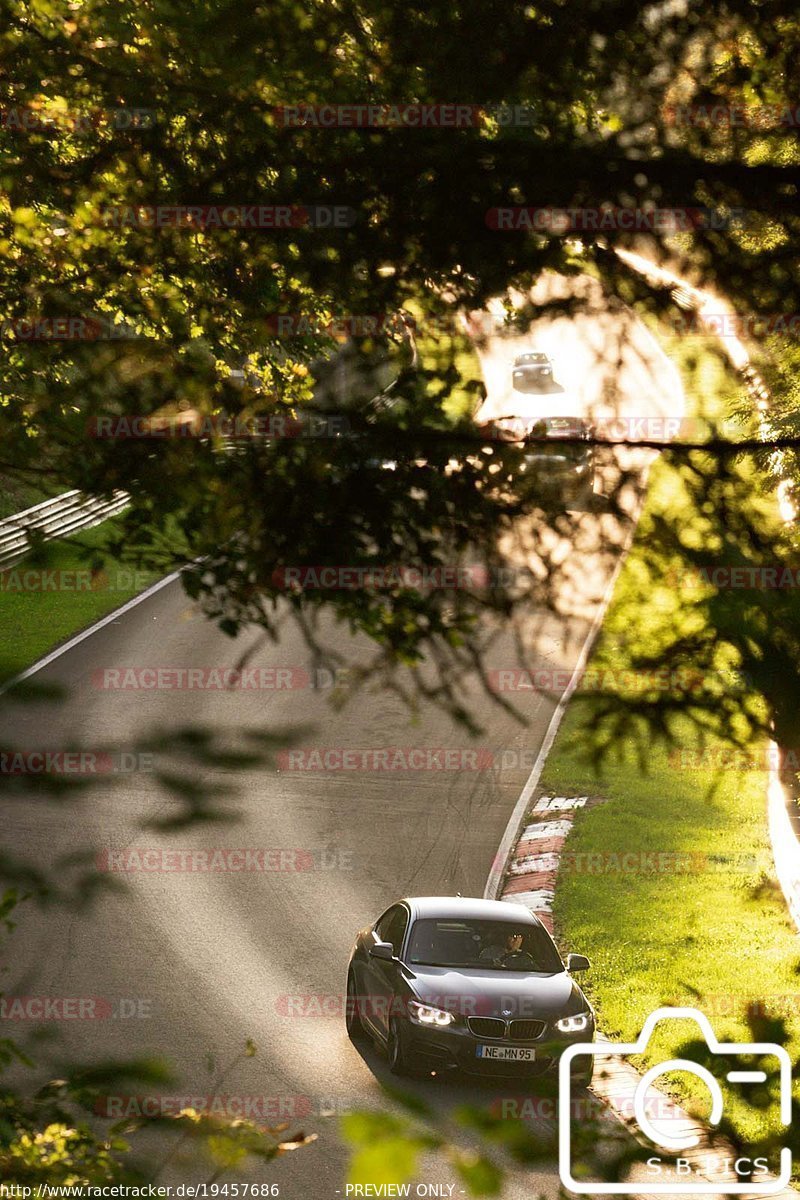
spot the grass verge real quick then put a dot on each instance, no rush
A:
(47, 598)
(17, 494)
(702, 922)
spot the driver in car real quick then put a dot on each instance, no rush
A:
(512, 945)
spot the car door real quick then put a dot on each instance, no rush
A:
(381, 980)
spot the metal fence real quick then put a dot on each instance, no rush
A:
(58, 517)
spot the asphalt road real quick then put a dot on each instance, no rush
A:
(203, 961)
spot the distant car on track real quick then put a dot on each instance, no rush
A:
(449, 983)
(531, 368)
(557, 457)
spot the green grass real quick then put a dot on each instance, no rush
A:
(17, 495)
(714, 933)
(35, 615)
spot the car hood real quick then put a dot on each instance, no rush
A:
(488, 993)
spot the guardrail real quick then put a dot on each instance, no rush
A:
(72, 511)
(58, 517)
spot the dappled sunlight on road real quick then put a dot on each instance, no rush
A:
(607, 367)
(224, 957)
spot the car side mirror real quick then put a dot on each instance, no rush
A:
(577, 962)
(382, 950)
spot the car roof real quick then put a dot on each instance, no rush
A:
(467, 907)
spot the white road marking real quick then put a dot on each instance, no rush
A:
(81, 637)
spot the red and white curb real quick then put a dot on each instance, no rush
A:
(533, 867)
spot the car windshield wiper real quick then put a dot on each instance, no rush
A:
(418, 962)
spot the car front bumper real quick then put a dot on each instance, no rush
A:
(533, 373)
(455, 1048)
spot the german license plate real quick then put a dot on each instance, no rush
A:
(507, 1053)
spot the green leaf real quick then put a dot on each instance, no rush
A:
(391, 1160)
(359, 1128)
(482, 1177)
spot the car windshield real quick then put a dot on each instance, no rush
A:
(491, 945)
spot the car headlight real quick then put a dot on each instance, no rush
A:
(425, 1014)
(575, 1024)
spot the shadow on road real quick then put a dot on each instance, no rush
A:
(533, 1102)
(542, 387)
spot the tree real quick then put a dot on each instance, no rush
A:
(109, 113)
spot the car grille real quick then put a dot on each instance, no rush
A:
(494, 1027)
(491, 1027)
(525, 1031)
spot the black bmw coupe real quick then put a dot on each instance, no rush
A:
(448, 983)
